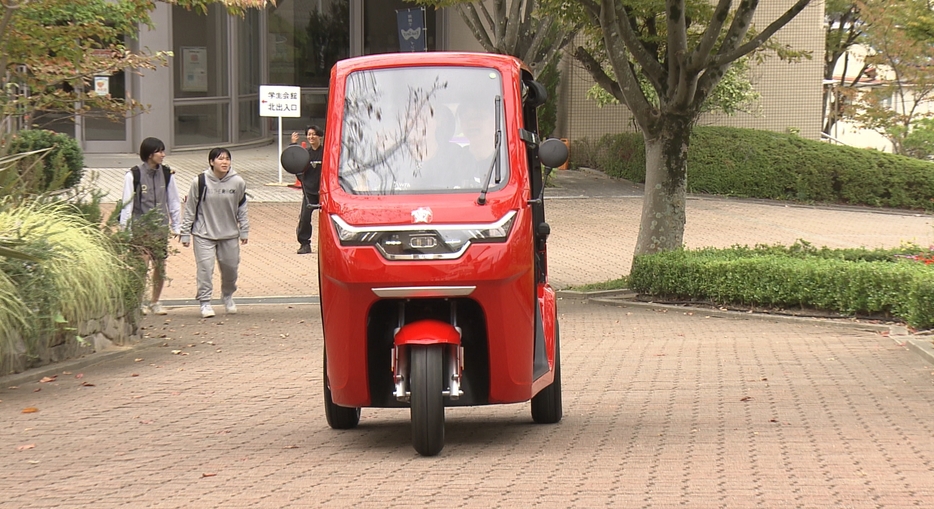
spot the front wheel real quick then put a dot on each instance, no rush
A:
(339, 417)
(546, 405)
(427, 401)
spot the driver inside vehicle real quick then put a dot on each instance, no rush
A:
(446, 164)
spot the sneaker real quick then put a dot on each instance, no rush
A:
(229, 305)
(206, 310)
(305, 249)
(145, 309)
(157, 309)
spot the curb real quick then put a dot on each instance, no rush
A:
(623, 298)
(94, 358)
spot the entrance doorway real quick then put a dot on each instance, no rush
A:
(98, 133)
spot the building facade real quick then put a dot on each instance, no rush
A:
(208, 95)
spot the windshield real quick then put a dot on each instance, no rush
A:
(421, 130)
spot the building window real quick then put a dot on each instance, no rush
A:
(381, 30)
(202, 91)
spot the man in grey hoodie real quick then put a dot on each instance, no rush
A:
(216, 216)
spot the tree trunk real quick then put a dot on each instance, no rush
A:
(663, 215)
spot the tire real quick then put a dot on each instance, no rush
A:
(339, 417)
(425, 384)
(546, 405)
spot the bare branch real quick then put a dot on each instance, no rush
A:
(760, 38)
(698, 58)
(470, 16)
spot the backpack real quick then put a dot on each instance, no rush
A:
(166, 173)
(201, 188)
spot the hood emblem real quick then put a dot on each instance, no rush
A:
(421, 215)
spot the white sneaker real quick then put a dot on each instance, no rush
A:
(157, 309)
(229, 305)
(206, 310)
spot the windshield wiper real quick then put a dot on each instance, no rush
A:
(498, 139)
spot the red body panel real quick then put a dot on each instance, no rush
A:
(501, 272)
(427, 332)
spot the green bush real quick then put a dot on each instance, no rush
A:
(763, 164)
(852, 282)
(64, 271)
(63, 166)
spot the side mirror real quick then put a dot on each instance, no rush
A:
(534, 94)
(294, 159)
(553, 152)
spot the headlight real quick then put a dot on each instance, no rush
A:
(421, 241)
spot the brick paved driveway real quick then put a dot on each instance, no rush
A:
(662, 408)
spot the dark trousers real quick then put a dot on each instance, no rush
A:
(303, 231)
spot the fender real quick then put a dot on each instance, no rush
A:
(427, 332)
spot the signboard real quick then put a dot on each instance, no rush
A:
(412, 33)
(194, 69)
(101, 85)
(280, 101)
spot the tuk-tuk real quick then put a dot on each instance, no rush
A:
(432, 240)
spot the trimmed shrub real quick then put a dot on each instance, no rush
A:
(63, 166)
(852, 282)
(749, 163)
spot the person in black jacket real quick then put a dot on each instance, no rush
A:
(311, 184)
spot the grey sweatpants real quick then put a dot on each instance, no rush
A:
(227, 253)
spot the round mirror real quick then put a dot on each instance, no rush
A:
(294, 159)
(553, 152)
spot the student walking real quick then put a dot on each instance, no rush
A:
(216, 218)
(311, 185)
(151, 186)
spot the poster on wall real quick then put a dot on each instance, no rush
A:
(101, 85)
(194, 69)
(412, 33)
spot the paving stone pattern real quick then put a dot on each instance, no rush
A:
(662, 409)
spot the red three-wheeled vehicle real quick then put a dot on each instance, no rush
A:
(432, 240)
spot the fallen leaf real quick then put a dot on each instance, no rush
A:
(66, 372)
(87, 384)
(137, 360)
(208, 474)
(176, 352)
(79, 375)
(773, 420)
(26, 447)
(746, 398)
(13, 387)
(37, 389)
(291, 447)
(30, 410)
(46, 379)
(145, 422)
(135, 374)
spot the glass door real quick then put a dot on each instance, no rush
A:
(99, 133)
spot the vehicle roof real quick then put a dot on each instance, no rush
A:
(431, 58)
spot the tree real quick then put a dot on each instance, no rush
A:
(683, 48)
(513, 27)
(901, 39)
(52, 49)
(844, 28)
(520, 29)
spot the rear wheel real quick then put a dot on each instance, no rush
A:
(546, 405)
(339, 417)
(426, 378)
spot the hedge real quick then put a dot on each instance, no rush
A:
(852, 282)
(749, 163)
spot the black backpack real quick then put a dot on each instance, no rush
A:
(166, 173)
(201, 189)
